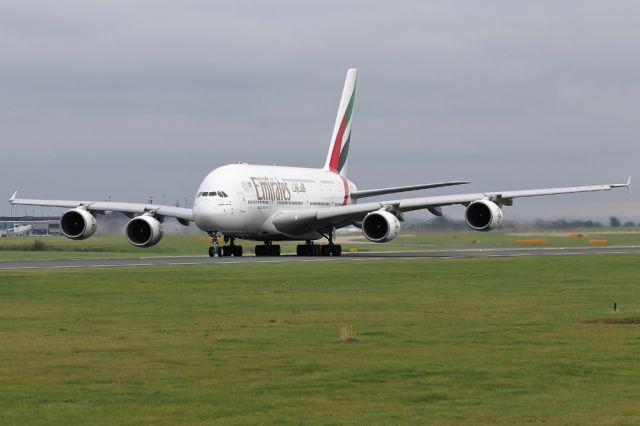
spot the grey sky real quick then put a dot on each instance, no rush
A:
(135, 98)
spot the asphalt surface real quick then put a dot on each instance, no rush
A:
(347, 257)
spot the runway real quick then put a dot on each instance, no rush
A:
(346, 257)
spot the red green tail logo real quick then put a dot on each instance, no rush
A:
(341, 144)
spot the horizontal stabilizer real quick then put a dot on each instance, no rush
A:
(382, 191)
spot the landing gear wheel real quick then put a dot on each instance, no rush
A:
(267, 250)
(318, 250)
(212, 251)
(237, 250)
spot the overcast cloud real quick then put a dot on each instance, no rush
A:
(128, 99)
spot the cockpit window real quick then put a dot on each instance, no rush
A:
(213, 194)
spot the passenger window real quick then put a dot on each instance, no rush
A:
(220, 194)
(212, 194)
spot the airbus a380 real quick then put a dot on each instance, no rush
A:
(271, 203)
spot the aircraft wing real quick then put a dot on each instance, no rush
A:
(305, 220)
(181, 213)
(396, 189)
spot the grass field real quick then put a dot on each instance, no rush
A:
(472, 341)
(171, 245)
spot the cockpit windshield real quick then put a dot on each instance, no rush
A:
(212, 194)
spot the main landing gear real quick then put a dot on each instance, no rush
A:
(270, 249)
(224, 251)
(310, 249)
(267, 249)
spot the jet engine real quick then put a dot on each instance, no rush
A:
(78, 224)
(483, 215)
(144, 231)
(380, 226)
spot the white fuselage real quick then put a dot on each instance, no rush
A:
(239, 199)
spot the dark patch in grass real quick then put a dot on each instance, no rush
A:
(427, 398)
(383, 375)
(378, 333)
(38, 246)
(229, 341)
(629, 320)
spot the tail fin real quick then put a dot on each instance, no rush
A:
(339, 148)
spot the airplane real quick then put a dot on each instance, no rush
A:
(17, 230)
(274, 203)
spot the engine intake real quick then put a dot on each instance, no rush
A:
(380, 226)
(483, 215)
(144, 231)
(78, 224)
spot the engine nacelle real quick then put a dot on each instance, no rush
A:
(78, 224)
(483, 215)
(380, 226)
(144, 231)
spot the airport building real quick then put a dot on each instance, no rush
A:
(26, 226)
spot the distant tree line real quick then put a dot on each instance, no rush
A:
(444, 224)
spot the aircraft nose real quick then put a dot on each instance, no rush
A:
(207, 217)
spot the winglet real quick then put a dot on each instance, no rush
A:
(623, 185)
(629, 185)
(13, 197)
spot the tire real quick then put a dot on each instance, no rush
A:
(337, 250)
(301, 250)
(212, 252)
(325, 250)
(237, 251)
(220, 251)
(315, 250)
(274, 250)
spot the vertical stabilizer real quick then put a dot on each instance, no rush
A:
(339, 148)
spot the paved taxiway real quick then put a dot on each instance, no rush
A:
(360, 256)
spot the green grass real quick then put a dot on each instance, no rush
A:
(471, 341)
(172, 245)
(98, 246)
